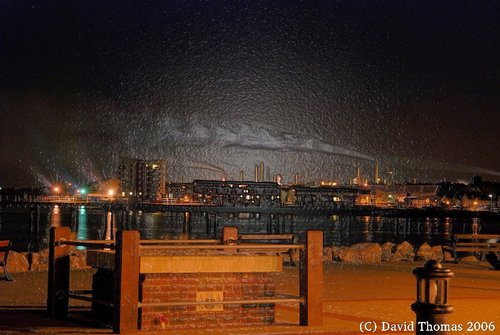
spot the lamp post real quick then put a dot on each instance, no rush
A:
(57, 190)
(491, 202)
(431, 307)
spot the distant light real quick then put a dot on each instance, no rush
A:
(56, 189)
(130, 193)
(83, 191)
(111, 192)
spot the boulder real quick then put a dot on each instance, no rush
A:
(336, 253)
(448, 256)
(362, 253)
(437, 253)
(468, 259)
(403, 252)
(40, 260)
(78, 260)
(327, 255)
(17, 262)
(387, 249)
(424, 253)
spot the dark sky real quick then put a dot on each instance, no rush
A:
(314, 88)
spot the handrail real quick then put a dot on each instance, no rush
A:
(249, 246)
(93, 244)
(144, 242)
(266, 236)
(83, 295)
(222, 302)
(181, 244)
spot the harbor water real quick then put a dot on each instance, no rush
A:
(28, 229)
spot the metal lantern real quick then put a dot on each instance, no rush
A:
(431, 306)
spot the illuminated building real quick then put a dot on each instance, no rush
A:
(143, 179)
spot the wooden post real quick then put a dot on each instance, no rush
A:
(126, 282)
(311, 279)
(59, 266)
(229, 235)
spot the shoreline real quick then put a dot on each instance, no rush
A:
(434, 212)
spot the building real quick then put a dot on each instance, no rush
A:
(143, 179)
(405, 195)
(237, 193)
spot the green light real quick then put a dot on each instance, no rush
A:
(83, 191)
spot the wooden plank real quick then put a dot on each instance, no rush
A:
(126, 283)
(242, 246)
(475, 236)
(311, 279)
(190, 241)
(478, 244)
(485, 249)
(59, 267)
(211, 264)
(266, 237)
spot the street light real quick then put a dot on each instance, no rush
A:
(491, 201)
(431, 306)
(56, 191)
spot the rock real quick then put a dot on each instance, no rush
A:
(468, 259)
(403, 252)
(424, 252)
(437, 253)
(336, 253)
(448, 256)
(40, 260)
(78, 260)
(387, 251)
(17, 262)
(327, 255)
(362, 253)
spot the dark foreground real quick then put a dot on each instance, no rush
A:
(352, 294)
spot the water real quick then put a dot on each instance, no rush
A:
(29, 228)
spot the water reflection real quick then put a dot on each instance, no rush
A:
(55, 216)
(110, 230)
(82, 232)
(31, 229)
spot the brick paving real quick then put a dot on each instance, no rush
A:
(352, 294)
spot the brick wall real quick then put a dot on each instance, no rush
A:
(184, 287)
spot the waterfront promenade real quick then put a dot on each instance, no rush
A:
(352, 294)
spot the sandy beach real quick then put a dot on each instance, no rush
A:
(381, 293)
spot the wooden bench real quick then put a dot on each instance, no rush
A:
(271, 238)
(473, 244)
(4, 255)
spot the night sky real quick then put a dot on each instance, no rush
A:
(309, 87)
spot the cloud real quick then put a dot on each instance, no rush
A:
(262, 139)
